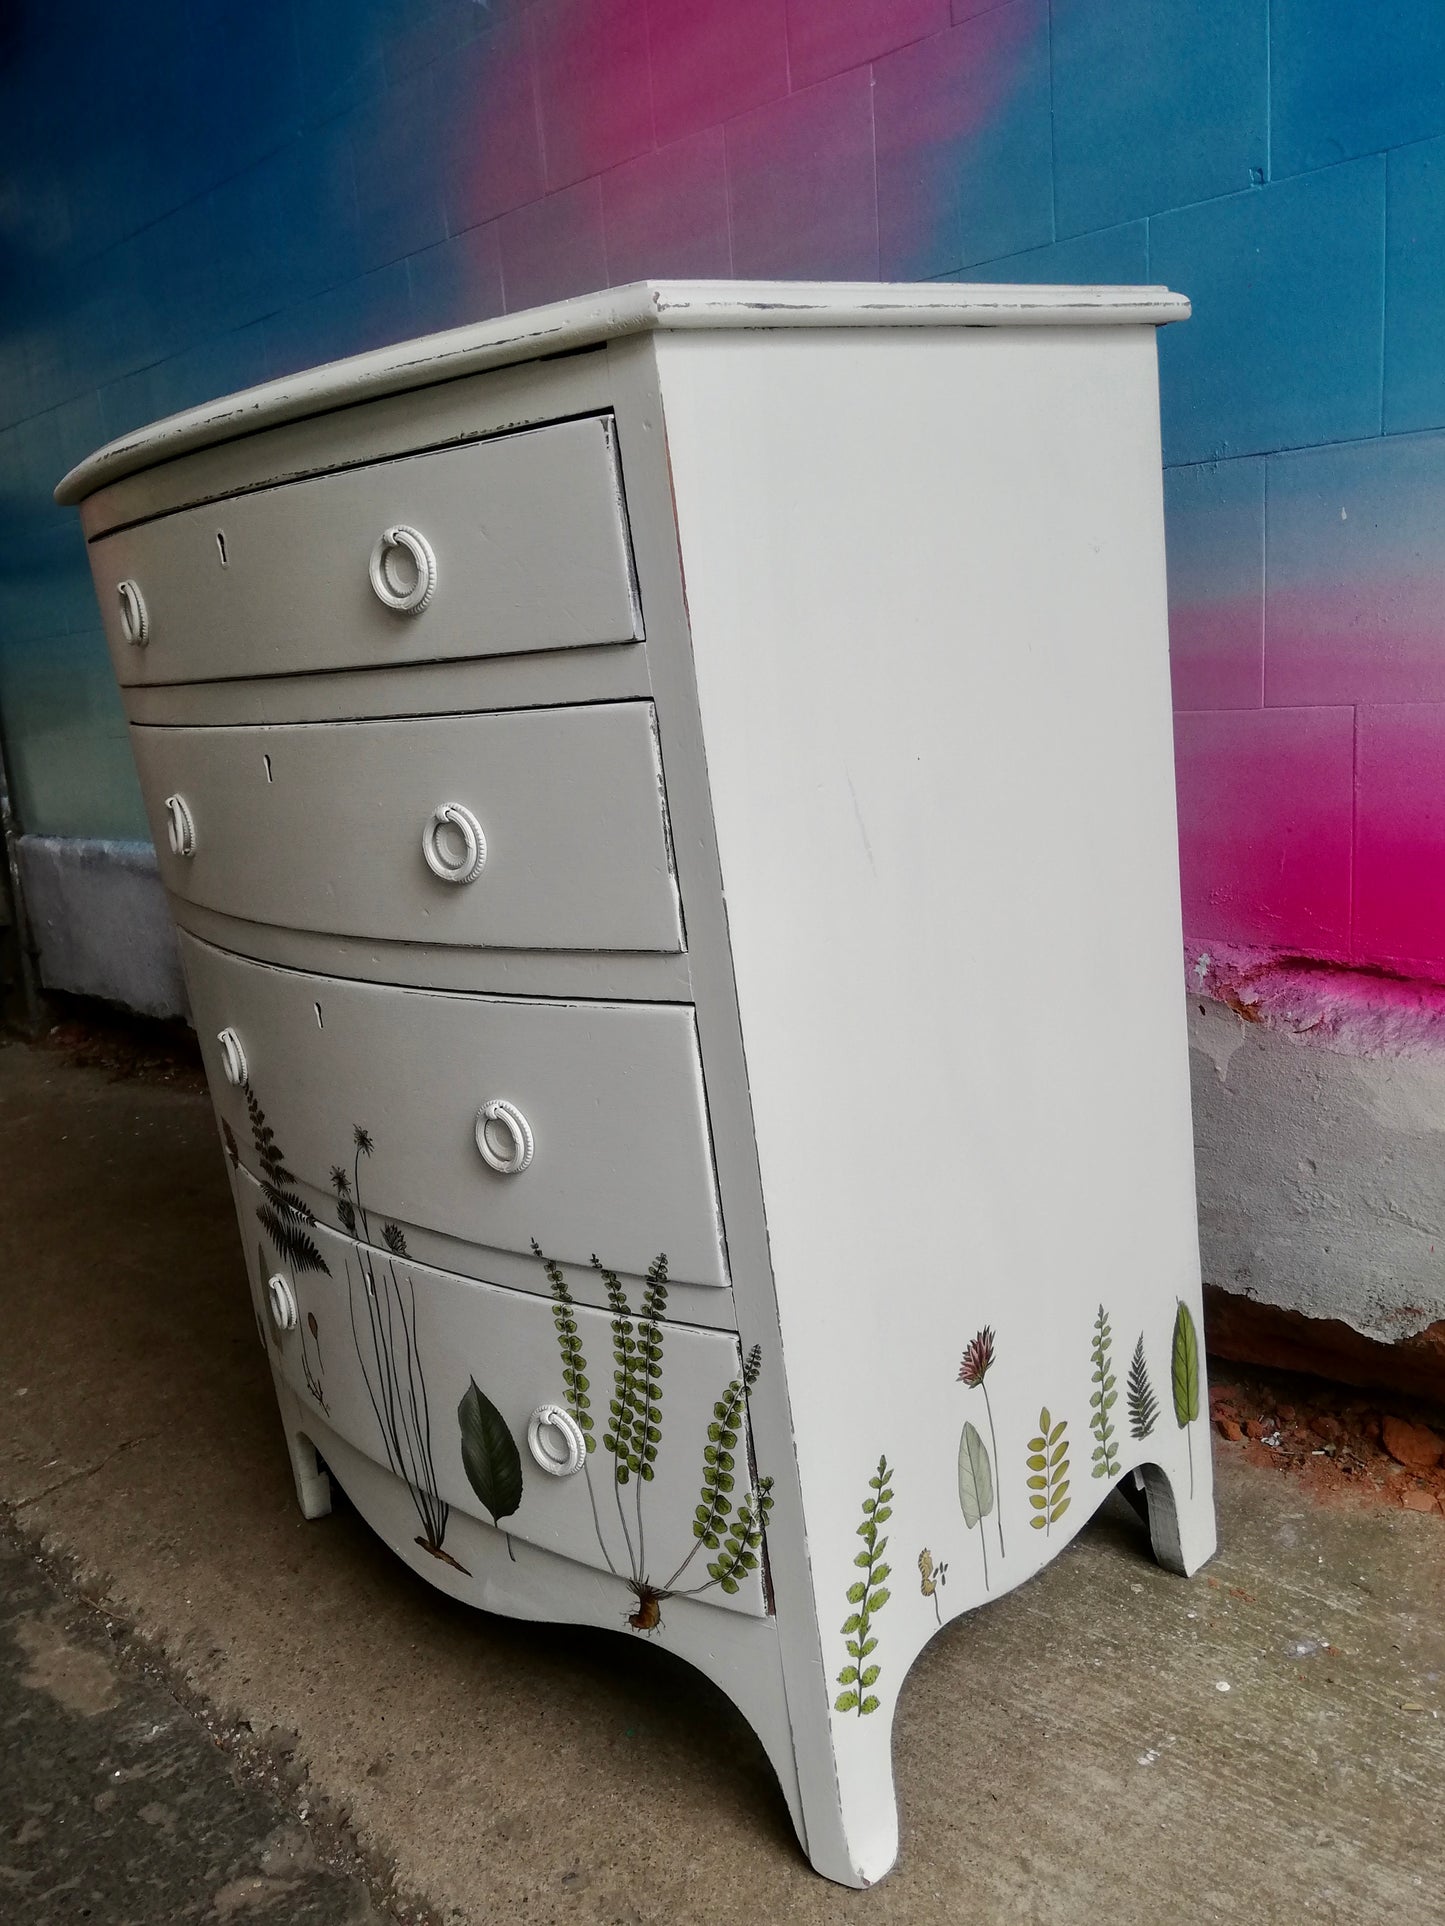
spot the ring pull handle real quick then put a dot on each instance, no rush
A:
(233, 1058)
(180, 826)
(281, 1303)
(556, 1441)
(406, 592)
(135, 624)
(454, 844)
(513, 1125)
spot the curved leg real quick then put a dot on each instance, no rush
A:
(313, 1487)
(1181, 1528)
(849, 1820)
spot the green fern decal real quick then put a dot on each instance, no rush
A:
(1184, 1378)
(286, 1218)
(1048, 1463)
(1143, 1405)
(868, 1595)
(574, 1365)
(647, 1381)
(730, 1527)
(1102, 1400)
(710, 1518)
(618, 1437)
(744, 1537)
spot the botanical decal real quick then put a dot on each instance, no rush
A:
(1102, 1400)
(973, 1371)
(286, 1219)
(1143, 1405)
(866, 1596)
(312, 1372)
(1048, 1463)
(975, 1487)
(1184, 1378)
(490, 1456)
(389, 1353)
(732, 1529)
(932, 1578)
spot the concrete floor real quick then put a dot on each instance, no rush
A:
(1069, 1754)
(118, 1805)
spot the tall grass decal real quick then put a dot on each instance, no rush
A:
(387, 1350)
(1184, 1378)
(867, 1596)
(1102, 1400)
(730, 1527)
(1048, 1462)
(1143, 1405)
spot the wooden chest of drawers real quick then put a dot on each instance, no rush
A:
(668, 803)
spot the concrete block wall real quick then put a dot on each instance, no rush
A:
(199, 197)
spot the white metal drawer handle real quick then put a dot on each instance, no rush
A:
(406, 598)
(135, 623)
(281, 1302)
(498, 1111)
(180, 827)
(233, 1058)
(555, 1440)
(450, 824)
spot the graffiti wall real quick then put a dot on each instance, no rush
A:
(195, 198)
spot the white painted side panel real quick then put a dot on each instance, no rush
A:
(527, 530)
(319, 826)
(612, 1092)
(926, 588)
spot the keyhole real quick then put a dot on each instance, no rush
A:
(319, 1024)
(221, 545)
(267, 760)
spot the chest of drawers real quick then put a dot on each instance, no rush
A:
(668, 805)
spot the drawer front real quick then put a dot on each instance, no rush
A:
(388, 1350)
(526, 532)
(609, 1095)
(331, 827)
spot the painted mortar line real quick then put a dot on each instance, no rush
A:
(1269, 90)
(1384, 278)
(1053, 152)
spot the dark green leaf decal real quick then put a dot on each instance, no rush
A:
(1184, 1377)
(1143, 1405)
(490, 1456)
(1048, 1463)
(1102, 1400)
(975, 1486)
(866, 1598)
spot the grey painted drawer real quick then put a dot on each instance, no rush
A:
(611, 1093)
(527, 532)
(321, 826)
(396, 1346)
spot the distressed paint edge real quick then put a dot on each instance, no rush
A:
(589, 321)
